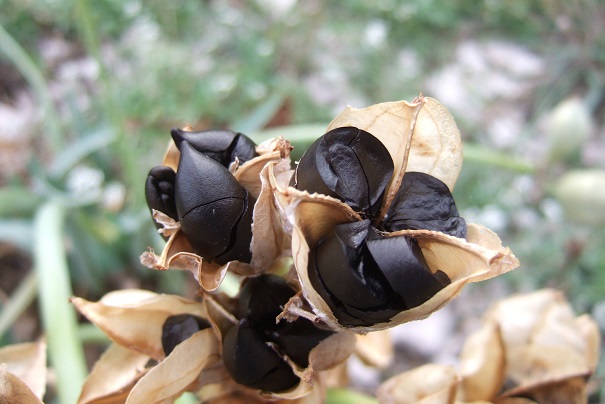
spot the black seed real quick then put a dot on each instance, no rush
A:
(220, 145)
(424, 202)
(349, 164)
(401, 261)
(159, 191)
(214, 210)
(251, 362)
(367, 278)
(178, 328)
(297, 339)
(262, 298)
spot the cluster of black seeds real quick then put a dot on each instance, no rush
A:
(254, 349)
(365, 276)
(214, 210)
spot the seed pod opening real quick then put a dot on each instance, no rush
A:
(223, 146)
(252, 362)
(298, 338)
(424, 202)
(178, 328)
(366, 277)
(348, 164)
(159, 191)
(214, 210)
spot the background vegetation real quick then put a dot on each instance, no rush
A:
(90, 89)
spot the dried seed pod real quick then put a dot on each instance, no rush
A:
(424, 203)
(367, 278)
(159, 191)
(178, 328)
(348, 164)
(262, 299)
(214, 210)
(297, 338)
(223, 146)
(252, 362)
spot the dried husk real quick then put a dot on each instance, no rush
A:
(427, 384)
(482, 364)
(134, 318)
(420, 136)
(178, 252)
(15, 390)
(179, 372)
(375, 349)
(113, 376)
(27, 362)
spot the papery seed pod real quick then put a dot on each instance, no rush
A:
(424, 202)
(159, 191)
(223, 146)
(252, 362)
(297, 338)
(214, 210)
(348, 164)
(367, 278)
(262, 299)
(177, 329)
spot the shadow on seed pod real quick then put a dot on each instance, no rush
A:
(348, 164)
(159, 191)
(214, 210)
(252, 362)
(223, 146)
(424, 202)
(178, 328)
(367, 278)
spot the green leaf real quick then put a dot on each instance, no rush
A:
(345, 396)
(58, 316)
(260, 116)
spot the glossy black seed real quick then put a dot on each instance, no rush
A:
(401, 262)
(262, 299)
(297, 338)
(367, 278)
(220, 145)
(424, 202)
(214, 210)
(350, 275)
(251, 362)
(349, 164)
(159, 191)
(178, 328)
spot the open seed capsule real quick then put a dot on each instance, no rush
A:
(178, 328)
(223, 146)
(348, 164)
(252, 362)
(214, 210)
(296, 339)
(367, 278)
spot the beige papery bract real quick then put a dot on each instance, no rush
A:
(420, 136)
(133, 320)
(533, 342)
(23, 372)
(178, 252)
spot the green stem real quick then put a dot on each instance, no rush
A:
(26, 66)
(478, 154)
(58, 316)
(20, 300)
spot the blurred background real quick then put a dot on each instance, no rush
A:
(89, 91)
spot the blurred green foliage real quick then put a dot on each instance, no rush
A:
(125, 72)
